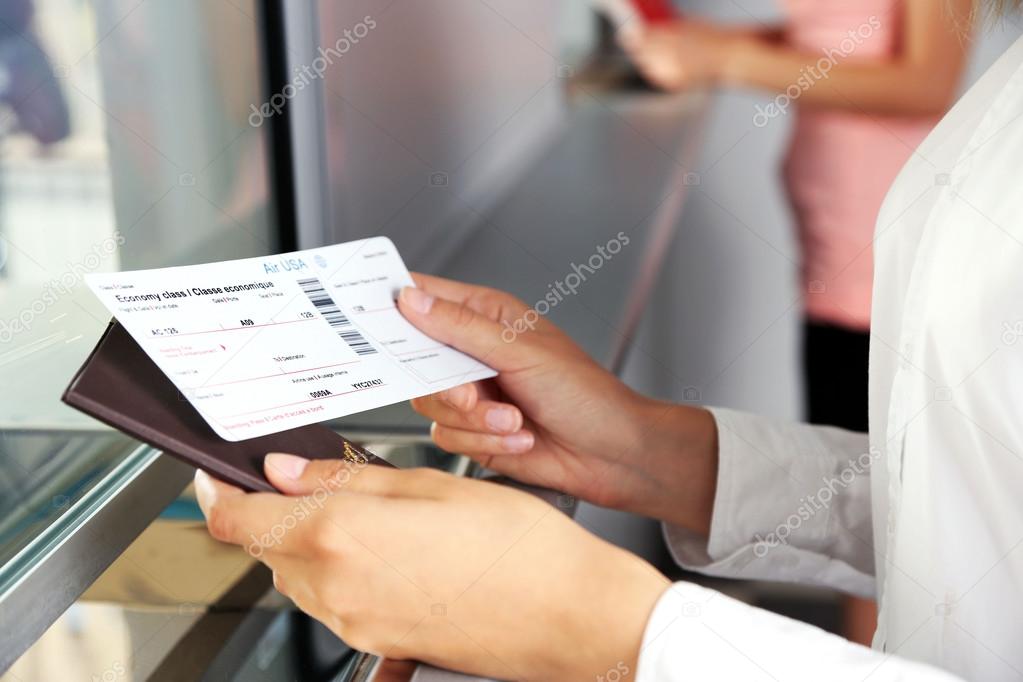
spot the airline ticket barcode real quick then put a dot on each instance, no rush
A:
(319, 297)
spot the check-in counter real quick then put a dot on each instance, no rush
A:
(586, 211)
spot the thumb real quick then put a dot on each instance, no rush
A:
(297, 476)
(294, 475)
(459, 326)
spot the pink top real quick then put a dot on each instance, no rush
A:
(840, 164)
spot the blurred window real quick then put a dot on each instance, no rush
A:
(124, 143)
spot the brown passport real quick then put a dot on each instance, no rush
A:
(121, 386)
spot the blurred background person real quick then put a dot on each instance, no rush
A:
(31, 100)
(28, 84)
(868, 80)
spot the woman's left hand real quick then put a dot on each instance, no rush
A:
(418, 564)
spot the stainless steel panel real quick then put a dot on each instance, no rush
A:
(434, 111)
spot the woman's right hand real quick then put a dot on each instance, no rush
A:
(554, 417)
(683, 54)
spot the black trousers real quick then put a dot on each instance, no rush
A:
(835, 375)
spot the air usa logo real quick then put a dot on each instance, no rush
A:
(285, 265)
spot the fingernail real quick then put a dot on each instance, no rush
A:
(417, 299)
(289, 466)
(459, 397)
(205, 491)
(502, 419)
(518, 442)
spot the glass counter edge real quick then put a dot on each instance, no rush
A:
(77, 517)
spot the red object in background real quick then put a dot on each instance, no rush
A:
(656, 10)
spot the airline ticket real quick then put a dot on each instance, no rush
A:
(261, 345)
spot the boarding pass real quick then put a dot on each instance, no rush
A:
(261, 345)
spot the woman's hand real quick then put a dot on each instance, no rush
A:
(680, 55)
(921, 79)
(554, 417)
(459, 573)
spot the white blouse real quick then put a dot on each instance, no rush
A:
(928, 514)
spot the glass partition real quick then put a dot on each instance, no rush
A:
(124, 143)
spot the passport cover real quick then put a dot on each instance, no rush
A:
(121, 386)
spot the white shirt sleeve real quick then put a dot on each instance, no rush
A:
(699, 634)
(792, 504)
